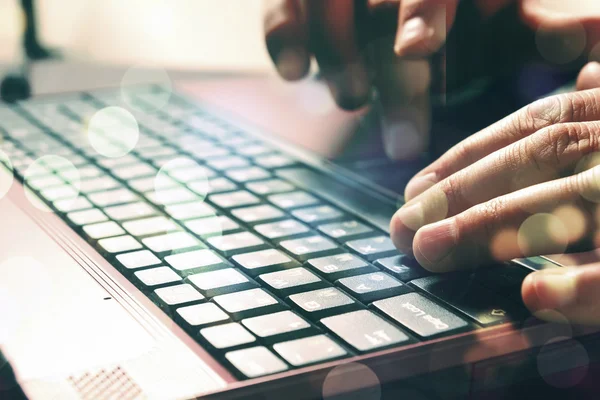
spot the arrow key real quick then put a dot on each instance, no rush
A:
(370, 287)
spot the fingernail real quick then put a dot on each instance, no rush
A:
(437, 241)
(402, 140)
(418, 185)
(414, 31)
(554, 290)
(411, 216)
(292, 62)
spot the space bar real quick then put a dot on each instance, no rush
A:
(378, 212)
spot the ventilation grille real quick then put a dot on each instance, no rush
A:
(106, 385)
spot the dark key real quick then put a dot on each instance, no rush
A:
(317, 304)
(223, 281)
(402, 267)
(339, 266)
(291, 281)
(248, 174)
(371, 287)
(256, 361)
(193, 262)
(473, 300)
(309, 350)
(284, 325)
(373, 248)
(285, 229)
(248, 303)
(364, 330)
(237, 243)
(227, 336)
(506, 280)
(156, 277)
(318, 215)
(288, 201)
(258, 214)
(310, 247)
(234, 199)
(421, 315)
(177, 296)
(344, 231)
(264, 261)
(272, 186)
(201, 315)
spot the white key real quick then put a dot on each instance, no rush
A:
(212, 226)
(59, 192)
(195, 209)
(80, 203)
(171, 241)
(112, 197)
(87, 217)
(134, 171)
(186, 175)
(45, 182)
(147, 184)
(170, 196)
(138, 259)
(195, 259)
(150, 226)
(130, 211)
(157, 276)
(97, 184)
(103, 230)
(119, 244)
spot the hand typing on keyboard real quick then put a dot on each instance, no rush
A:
(527, 185)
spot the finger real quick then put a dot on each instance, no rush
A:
(589, 78)
(334, 43)
(286, 34)
(569, 293)
(549, 218)
(571, 107)
(375, 6)
(546, 155)
(423, 26)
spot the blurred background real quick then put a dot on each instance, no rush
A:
(175, 34)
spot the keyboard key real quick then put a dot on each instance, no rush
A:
(119, 244)
(138, 259)
(212, 226)
(196, 261)
(272, 161)
(227, 336)
(196, 209)
(255, 362)
(130, 211)
(237, 243)
(80, 203)
(321, 303)
(506, 280)
(150, 226)
(254, 150)
(178, 295)
(310, 247)
(291, 281)
(195, 173)
(421, 315)
(272, 186)
(45, 182)
(156, 277)
(200, 315)
(260, 262)
(171, 241)
(98, 184)
(476, 302)
(103, 230)
(364, 330)
(247, 174)
(113, 197)
(371, 287)
(87, 217)
(134, 171)
(344, 231)
(248, 303)
(339, 266)
(258, 214)
(317, 215)
(277, 327)
(110, 163)
(288, 201)
(309, 350)
(223, 281)
(59, 192)
(144, 185)
(234, 199)
(216, 185)
(225, 163)
(285, 229)
(402, 267)
(171, 196)
(373, 248)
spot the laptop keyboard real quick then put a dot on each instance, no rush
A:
(264, 273)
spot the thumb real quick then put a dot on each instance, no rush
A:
(572, 293)
(589, 78)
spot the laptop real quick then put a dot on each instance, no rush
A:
(156, 247)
